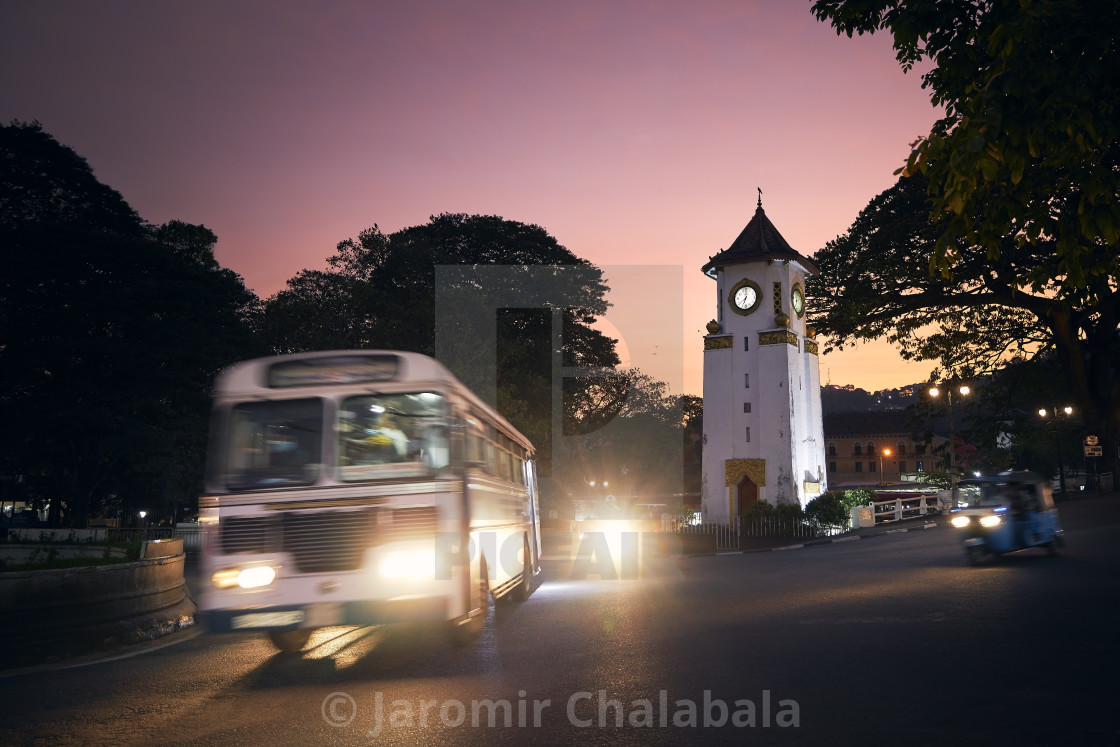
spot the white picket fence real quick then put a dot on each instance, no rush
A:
(903, 508)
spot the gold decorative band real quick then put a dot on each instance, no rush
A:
(777, 338)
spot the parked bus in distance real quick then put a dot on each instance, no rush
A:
(361, 487)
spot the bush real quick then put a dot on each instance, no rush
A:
(759, 510)
(828, 509)
(789, 512)
(855, 497)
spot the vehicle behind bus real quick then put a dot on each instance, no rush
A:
(361, 488)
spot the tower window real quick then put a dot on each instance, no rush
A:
(748, 435)
(746, 343)
(747, 380)
(746, 407)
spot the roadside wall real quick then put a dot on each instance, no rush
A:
(123, 602)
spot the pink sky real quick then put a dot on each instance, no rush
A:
(636, 133)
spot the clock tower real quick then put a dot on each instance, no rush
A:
(763, 429)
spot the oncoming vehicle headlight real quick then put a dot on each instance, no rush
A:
(409, 564)
(246, 578)
(990, 521)
(960, 522)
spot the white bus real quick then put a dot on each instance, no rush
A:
(359, 488)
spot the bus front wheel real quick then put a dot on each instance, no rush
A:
(290, 641)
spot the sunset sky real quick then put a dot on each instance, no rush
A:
(636, 133)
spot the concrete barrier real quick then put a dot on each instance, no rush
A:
(69, 610)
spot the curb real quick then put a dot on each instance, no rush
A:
(853, 537)
(927, 524)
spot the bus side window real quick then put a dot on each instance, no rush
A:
(491, 460)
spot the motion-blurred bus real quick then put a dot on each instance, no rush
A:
(361, 488)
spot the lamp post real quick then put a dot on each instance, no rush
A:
(934, 392)
(882, 465)
(1058, 443)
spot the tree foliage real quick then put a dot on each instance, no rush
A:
(873, 283)
(1029, 144)
(111, 332)
(1012, 200)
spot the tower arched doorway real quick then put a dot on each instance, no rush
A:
(746, 494)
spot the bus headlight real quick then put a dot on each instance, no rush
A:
(246, 578)
(410, 564)
(960, 522)
(989, 521)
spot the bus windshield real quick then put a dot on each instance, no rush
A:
(274, 444)
(385, 434)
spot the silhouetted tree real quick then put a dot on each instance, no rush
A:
(381, 292)
(111, 332)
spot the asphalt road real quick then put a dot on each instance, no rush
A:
(889, 640)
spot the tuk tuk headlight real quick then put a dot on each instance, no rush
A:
(990, 521)
(960, 522)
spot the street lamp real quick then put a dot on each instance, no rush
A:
(882, 465)
(1058, 443)
(935, 392)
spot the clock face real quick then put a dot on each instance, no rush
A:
(798, 300)
(745, 297)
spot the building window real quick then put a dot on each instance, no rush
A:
(746, 407)
(921, 466)
(859, 466)
(901, 467)
(920, 449)
(871, 450)
(748, 435)
(901, 449)
(871, 467)
(832, 466)
(832, 449)
(859, 450)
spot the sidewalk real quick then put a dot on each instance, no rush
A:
(769, 544)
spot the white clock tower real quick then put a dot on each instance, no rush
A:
(763, 430)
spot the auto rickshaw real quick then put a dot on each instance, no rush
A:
(1008, 512)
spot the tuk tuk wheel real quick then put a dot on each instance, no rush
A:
(975, 554)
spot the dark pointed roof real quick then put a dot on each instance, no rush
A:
(758, 241)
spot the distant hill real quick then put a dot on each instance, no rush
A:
(852, 399)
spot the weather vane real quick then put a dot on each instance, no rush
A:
(760, 196)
